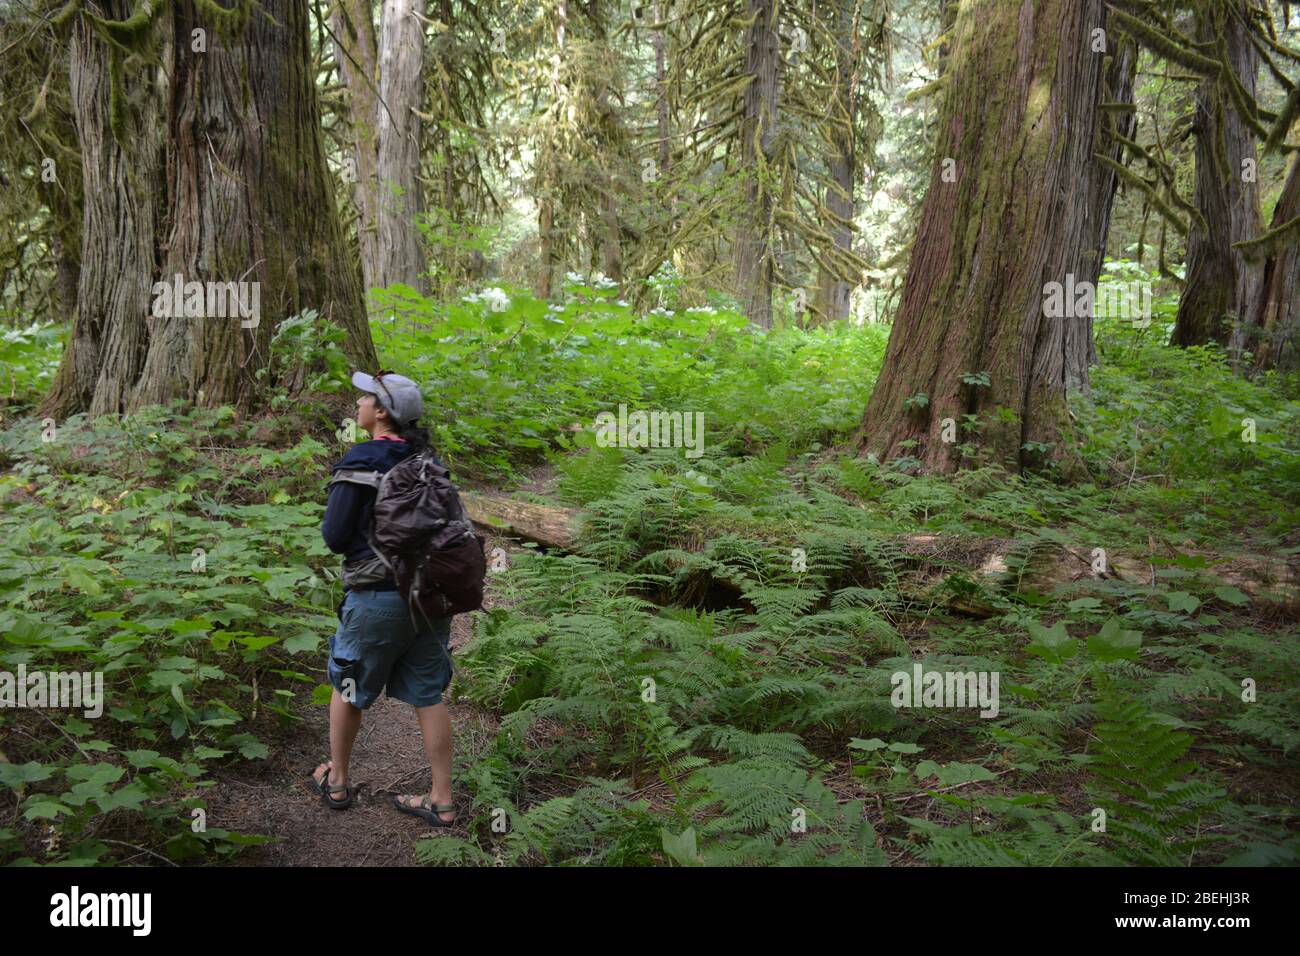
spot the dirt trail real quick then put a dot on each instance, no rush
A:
(273, 797)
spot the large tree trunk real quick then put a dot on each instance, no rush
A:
(1019, 119)
(352, 23)
(120, 171)
(754, 236)
(833, 290)
(401, 84)
(1103, 182)
(245, 198)
(1272, 326)
(1221, 281)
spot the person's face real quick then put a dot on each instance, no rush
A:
(369, 412)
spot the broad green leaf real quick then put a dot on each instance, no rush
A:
(1113, 643)
(1053, 644)
(875, 743)
(44, 808)
(306, 641)
(1230, 594)
(15, 775)
(681, 848)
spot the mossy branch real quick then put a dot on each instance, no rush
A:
(66, 14)
(228, 22)
(132, 33)
(1286, 117)
(1171, 49)
(1271, 242)
(1153, 196)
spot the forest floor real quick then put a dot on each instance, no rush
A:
(769, 592)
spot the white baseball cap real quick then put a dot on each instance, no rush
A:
(397, 393)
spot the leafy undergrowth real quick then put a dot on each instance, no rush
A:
(708, 679)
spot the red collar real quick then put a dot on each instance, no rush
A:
(386, 437)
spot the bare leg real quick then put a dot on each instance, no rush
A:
(345, 721)
(435, 726)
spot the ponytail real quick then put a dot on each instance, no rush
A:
(416, 435)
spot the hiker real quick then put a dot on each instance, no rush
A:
(376, 646)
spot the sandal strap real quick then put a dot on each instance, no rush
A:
(426, 803)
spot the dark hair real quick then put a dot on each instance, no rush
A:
(416, 435)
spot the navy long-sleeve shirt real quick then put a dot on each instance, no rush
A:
(349, 509)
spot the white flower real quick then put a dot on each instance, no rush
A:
(496, 299)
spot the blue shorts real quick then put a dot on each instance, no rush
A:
(376, 648)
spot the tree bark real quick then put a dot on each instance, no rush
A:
(355, 51)
(754, 236)
(1221, 281)
(1272, 326)
(401, 200)
(1103, 182)
(1018, 127)
(546, 164)
(243, 196)
(545, 248)
(833, 291)
(661, 91)
(121, 170)
(611, 255)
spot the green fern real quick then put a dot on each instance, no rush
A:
(1153, 815)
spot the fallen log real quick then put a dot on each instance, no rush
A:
(547, 525)
(995, 563)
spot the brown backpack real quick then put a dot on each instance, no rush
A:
(423, 535)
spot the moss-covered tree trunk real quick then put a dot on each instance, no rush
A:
(1003, 217)
(754, 234)
(833, 290)
(250, 200)
(121, 179)
(1272, 327)
(1221, 281)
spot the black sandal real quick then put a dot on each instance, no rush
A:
(325, 788)
(427, 811)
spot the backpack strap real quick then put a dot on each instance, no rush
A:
(356, 476)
